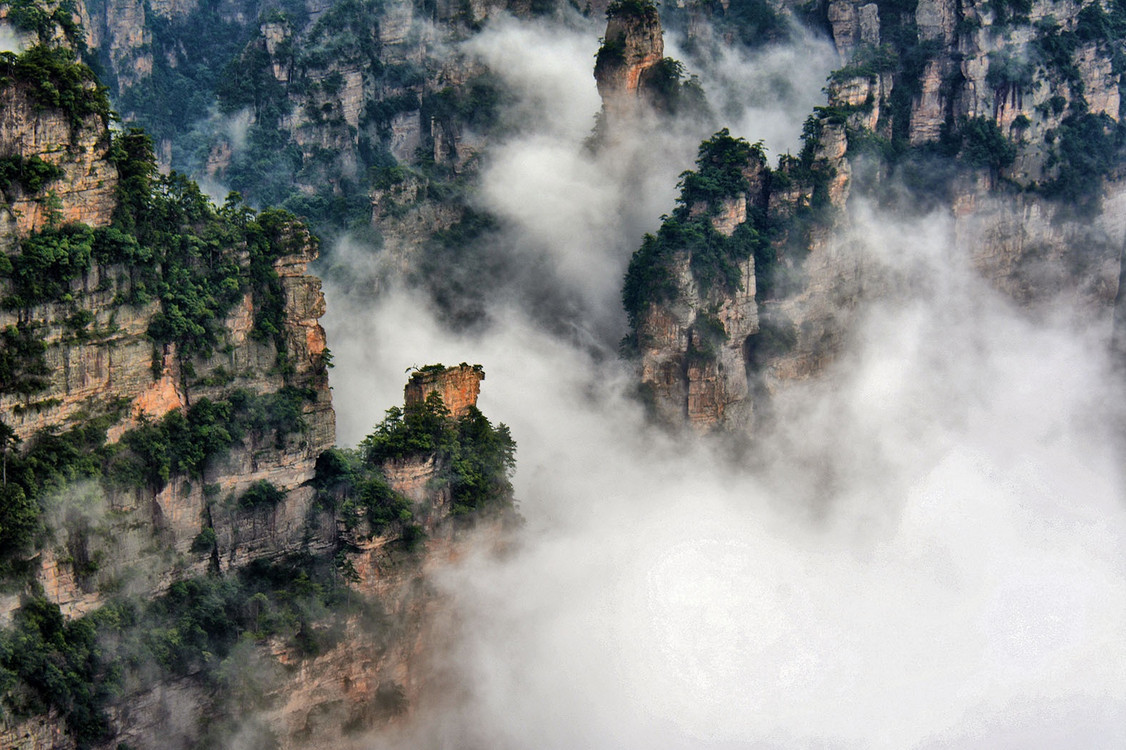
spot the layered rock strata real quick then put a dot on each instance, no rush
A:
(458, 387)
(632, 47)
(85, 192)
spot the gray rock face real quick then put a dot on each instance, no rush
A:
(1029, 246)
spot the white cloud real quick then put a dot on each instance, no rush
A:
(928, 550)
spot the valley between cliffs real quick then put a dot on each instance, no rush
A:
(806, 318)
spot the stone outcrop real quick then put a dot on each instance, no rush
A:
(1030, 249)
(122, 29)
(112, 365)
(690, 372)
(458, 386)
(95, 375)
(85, 191)
(692, 351)
(854, 24)
(104, 540)
(633, 45)
(971, 65)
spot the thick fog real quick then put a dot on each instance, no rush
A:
(926, 551)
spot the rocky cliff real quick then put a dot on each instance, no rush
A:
(1003, 117)
(91, 349)
(458, 387)
(632, 47)
(55, 148)
(176, 530)
(342, 99)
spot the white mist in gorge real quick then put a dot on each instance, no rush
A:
(928, 551)
(932, 556)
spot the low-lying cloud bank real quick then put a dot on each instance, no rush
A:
(929, 551)
(932, 554)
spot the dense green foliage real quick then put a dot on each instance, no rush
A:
(197, 247)
(182, 444)
(1009, 12)
(187, 67)
(46, 264)
(479, 457)
(671, 92)
(148, 456)
(47, 661)
(481, 463)
(177, 444)
(223, 86)
(49, 462)
(56, 80)
(980, 144)
(643, 9)
(472, 456)
(33, 16)
(193, 631)
(1088, 147)
(31, 174)
(713, 258)
(23, 367)
(349, 483)
(174, 245)
(261, 494)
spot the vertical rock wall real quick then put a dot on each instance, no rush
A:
(86, 191)
(458, 386)
(966, 62)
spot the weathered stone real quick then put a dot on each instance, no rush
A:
(844, 20)
(869, 19)
(85, 192)
(936, 19)
(928, 113)
(633, 45)
(458, 387)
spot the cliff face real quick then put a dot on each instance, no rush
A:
(458, 387)
(75, 144)
(93, 357)
(633, 45)
(110, 371)
(1003, 120)
(692, 351)
(166, 409)
(334, 96)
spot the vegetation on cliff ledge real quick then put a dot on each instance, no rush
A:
(172, 244)
(722, 165)
(473, 459)
(55, 79)
(202, 629)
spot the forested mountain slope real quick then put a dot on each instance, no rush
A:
(178, 537)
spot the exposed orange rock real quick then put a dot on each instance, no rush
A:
(633, 45)
(458, 387)
(158, 399)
